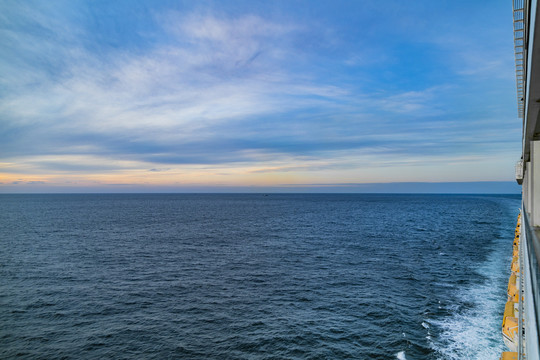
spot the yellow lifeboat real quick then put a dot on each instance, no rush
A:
(513, 293)
(515, 265)
(509, 355)
(511, 309)
(512, 281)
(510, 327)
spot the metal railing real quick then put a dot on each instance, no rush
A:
(519, 49)
(531, 272)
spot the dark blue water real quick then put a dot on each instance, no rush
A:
(254, 276)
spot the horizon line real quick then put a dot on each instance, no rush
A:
(462, 187)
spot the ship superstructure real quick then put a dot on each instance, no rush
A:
(520, 326)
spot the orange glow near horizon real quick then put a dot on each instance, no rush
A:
(282, 174)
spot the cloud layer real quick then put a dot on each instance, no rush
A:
(236, 96)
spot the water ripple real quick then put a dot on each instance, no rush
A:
(252, 277)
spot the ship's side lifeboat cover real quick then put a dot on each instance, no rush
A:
(509, 331)
(515, 265)
(509, 355)
(513, 293)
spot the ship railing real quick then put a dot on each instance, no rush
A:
(519, 53)
(530, 247)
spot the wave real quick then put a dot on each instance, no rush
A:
(473, 332)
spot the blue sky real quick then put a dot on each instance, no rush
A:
(183, 95)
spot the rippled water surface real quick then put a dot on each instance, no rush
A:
(254, 276)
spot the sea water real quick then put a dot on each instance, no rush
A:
(277, 276)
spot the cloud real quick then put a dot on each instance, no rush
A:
(27, 182)
(171, 94)
(419, 103)
(234, 90)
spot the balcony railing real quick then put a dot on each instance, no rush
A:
(519, 46)
(531, 272)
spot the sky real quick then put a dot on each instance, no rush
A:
(233, 96)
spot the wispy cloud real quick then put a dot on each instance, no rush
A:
(419, 103)
(169, 95)
(239, 92)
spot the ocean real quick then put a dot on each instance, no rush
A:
(254, 276)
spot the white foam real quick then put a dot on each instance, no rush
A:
(475, 333)
(425, 325)
(401, 355)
